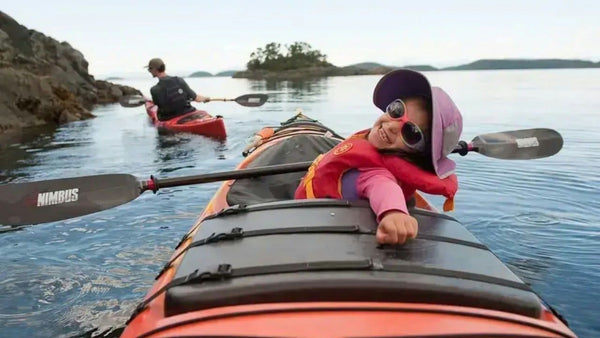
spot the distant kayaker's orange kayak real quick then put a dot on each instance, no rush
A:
(259, 263)
(197, 122)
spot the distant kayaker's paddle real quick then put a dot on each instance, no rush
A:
(53, 200)
(248, 100)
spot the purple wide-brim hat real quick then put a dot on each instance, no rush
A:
(446, 122)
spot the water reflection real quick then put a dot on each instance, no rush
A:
(18, 151)
(180, 151)
(306, 90)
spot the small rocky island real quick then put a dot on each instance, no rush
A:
(43, 81)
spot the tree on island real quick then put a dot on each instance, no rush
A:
(298, 55)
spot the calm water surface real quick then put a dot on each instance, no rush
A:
(540, 216)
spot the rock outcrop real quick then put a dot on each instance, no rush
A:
(45, 81)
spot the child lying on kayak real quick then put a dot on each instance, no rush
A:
(405, 150)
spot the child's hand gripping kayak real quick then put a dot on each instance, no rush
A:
(396, 227)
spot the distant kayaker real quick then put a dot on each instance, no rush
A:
(405, 150)
(171, 94)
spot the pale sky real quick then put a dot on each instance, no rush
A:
(119, 37)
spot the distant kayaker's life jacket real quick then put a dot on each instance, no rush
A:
(324, 177)
(174, 100)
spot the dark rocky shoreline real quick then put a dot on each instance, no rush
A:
(43, 81)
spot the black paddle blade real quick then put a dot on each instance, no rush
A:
(131, 101)
(52, 200)
(523, 144)
(252, 100)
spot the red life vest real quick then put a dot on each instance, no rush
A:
(324, 177)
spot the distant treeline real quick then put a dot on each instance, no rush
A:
(493, 64)
(524, 64)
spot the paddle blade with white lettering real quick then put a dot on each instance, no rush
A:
(252, 100)
(523, 144)
(52, 200)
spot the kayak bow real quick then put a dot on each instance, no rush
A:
(197, 122)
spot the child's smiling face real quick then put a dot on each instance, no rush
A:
(386, 132)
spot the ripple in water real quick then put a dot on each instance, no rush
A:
(535, 242)
(536, 219)
(97, 319)
(39, 290)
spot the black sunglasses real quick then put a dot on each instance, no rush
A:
(411, 134)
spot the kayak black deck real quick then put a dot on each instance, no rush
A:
(325, 250)
(271, 188)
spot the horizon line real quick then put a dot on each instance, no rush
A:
(356, 63)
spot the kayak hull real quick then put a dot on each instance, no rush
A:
(363, 319)
(198, 122)
(312, 268)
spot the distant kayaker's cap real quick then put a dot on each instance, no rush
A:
(446, 122)
(155, 64)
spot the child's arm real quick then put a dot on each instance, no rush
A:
(386, 198)
(380, 187)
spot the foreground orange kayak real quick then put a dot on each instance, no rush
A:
(259, 263)
(197, 122)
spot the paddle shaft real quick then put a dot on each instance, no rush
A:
(221, 99)
(247, 100)
(154, 184)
